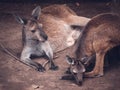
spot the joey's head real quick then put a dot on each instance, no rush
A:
(32, 27)
(77, 69)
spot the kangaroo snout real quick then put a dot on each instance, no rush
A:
(41, 36)
(45, 37)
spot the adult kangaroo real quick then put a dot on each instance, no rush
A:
(101, 34)
(52, 30)
(61, 23)
(35, 41)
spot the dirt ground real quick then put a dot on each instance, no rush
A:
(17, 76)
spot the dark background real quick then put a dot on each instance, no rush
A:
(54, 1)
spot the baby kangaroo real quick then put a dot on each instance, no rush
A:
(35, 41)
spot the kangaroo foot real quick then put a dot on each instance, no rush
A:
(40, 68)
(93, 74)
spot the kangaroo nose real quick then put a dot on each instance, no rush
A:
(45, 37)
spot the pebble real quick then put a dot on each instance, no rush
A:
(35, 86)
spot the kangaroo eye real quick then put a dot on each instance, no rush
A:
(33, 31)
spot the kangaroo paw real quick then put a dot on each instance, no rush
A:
(53, 67)
(41, 68)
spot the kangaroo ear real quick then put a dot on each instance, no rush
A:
(36, 13)
(20, 20)
(81, 67)
(69, 60)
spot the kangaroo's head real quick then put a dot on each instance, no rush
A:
(32, 28)
(77, 69)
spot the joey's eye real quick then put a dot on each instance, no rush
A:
(33, 31)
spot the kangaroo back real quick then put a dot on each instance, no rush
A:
(60, 11)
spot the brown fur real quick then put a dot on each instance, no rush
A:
(56, 20)
(100, 34)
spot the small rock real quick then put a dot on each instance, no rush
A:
(73, 84)
(35, 86)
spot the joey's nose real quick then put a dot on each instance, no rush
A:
(79, 78)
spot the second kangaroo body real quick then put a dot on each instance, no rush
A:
(101, 34)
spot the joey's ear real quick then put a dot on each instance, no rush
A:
(36, 13)
(20, 20)
(69, 60)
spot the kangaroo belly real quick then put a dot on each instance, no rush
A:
(58, 45)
